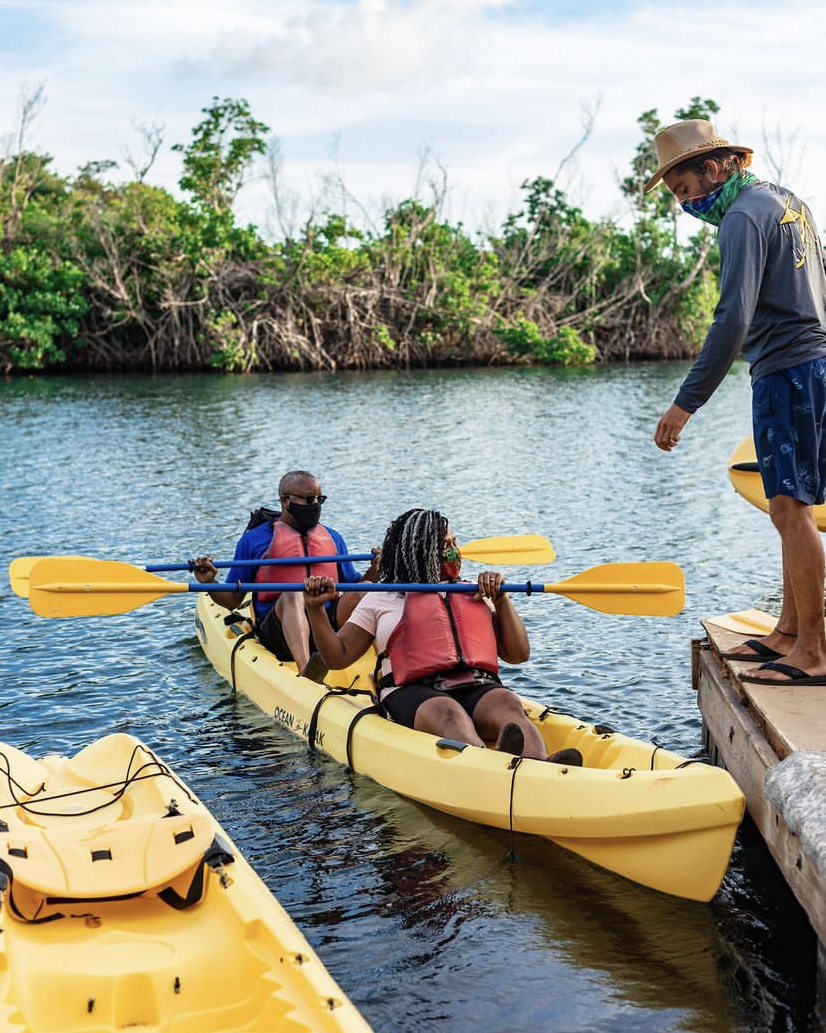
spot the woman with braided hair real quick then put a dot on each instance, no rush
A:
(438, 652)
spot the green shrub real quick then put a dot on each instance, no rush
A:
(41, 302)
(565, 348)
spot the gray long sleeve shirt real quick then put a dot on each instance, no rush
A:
(772, 305)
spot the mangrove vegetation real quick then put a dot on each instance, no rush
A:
(95, 275)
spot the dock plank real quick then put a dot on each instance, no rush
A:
(792, 717)
(750, 728)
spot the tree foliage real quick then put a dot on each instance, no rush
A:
(98, 275)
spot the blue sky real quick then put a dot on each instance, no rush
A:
(372, 97)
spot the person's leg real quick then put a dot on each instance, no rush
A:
(499, 707)
(788, 412)
(782, 637)
(290, 611)
(443, 716)
(803, 579)
(271, 635)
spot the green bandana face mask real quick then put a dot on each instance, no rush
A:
(451, 563)
(712, 207)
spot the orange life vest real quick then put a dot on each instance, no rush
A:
(286, 541)
(438, 633)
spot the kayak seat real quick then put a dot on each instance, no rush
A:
(88, 861)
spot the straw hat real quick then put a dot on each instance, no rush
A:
(685, 140)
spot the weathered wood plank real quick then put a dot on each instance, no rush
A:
(735, 728)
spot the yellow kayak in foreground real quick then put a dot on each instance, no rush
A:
(634, 808)
(126, 906)
(745, 476)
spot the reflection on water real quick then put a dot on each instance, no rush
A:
(421, 917)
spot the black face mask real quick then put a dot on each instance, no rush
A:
(306, 517)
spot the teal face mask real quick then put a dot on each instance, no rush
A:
(712, 207)
(703, 207)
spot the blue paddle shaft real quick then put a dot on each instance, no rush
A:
(358, 586)
(281, 562)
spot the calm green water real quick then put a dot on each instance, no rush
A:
(420, 917)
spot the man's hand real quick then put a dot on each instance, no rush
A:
(670, 427)
(318, 591)
(204, 570)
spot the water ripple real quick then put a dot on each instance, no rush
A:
(422, 918)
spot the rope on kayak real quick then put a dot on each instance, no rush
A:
(513, 767)
(158, 768)
(703, 759)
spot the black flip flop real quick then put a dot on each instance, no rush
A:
(794, 675)
(761, 652)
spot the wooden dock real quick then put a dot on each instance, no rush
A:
(772, 741)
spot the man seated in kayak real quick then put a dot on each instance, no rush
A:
(280, 618)
(438, 651)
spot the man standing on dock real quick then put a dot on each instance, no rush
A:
(772, 309)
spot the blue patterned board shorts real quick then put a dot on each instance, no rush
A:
(789, 422)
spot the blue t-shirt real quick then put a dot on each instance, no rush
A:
(253, 544)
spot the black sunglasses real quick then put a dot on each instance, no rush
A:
(309, 500)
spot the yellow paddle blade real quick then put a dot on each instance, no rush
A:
(648, 589)
(519, 549)
(20, 569)
(745, 622)
(66, 586)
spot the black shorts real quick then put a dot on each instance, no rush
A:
(403, 702)
(271, 634)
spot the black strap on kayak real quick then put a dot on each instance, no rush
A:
(6, 884)
(377, 708)
(216, 856)
(235, 618)
(513, 767)
(312, 728)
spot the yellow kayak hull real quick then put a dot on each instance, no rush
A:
(748, 482)
(149, 936)
(633, 808)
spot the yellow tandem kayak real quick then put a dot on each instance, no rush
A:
(126, 906)
(633, 808)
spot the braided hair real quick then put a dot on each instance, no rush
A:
(412, 548)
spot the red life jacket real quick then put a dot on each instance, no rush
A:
(287, 541)
(438, 633)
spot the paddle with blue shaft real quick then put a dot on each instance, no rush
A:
(518, 549)
(515, 549)
(71, 587)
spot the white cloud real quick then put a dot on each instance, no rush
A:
(496, 89)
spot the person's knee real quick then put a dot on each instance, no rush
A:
(289, 603)
(792, 519)
(443, 714)
(496, 709)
